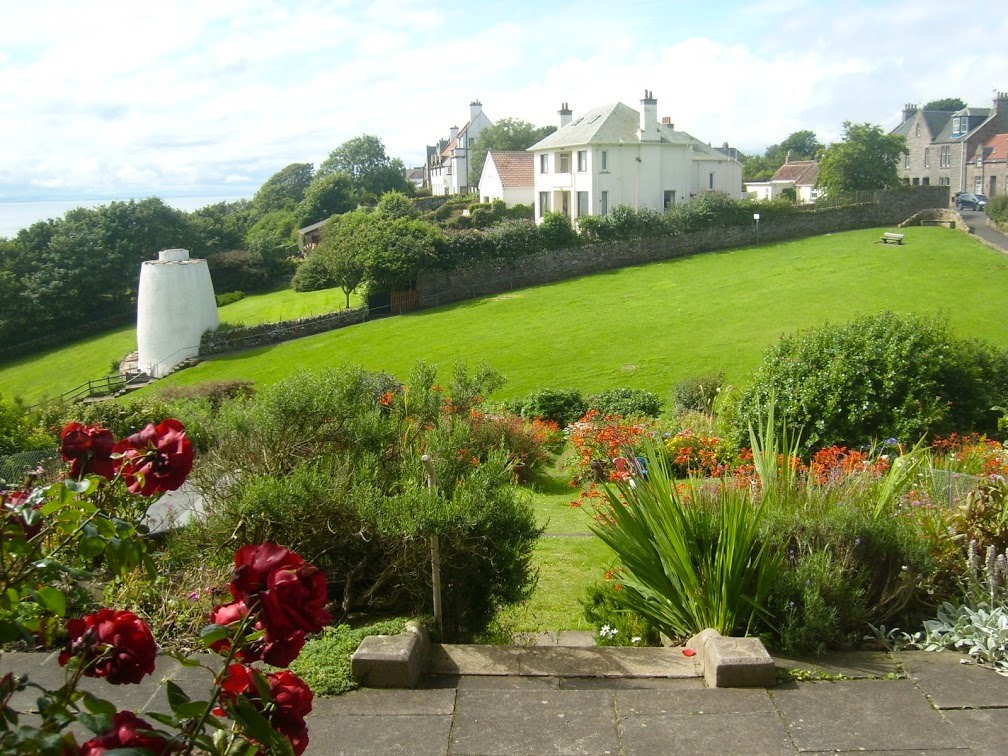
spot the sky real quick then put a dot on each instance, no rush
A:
(211, 97)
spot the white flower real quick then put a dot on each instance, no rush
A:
(636, 639)
(608, 632)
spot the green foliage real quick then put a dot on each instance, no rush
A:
(272, 243)
(697, 394)
(690, 562)
(371, 170)
(220, 227)
(229, 298)
(803, 145)
(328, 194)
(239, 270)
(324, 662)
(284, 190)
(877, 377)
(215, 393)
(626, 402)
(945, 104)
(394, 205)
(997, 208)
(503, 134)
(844, 569)
(561, 406)
(557, 232)
(345, 448)
(619, 625)
(17, 430)
(789, 194)
(865, 160)
(313, 274)
(396, 250)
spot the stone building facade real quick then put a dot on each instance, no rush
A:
(943, 146)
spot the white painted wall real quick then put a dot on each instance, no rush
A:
(175, 305)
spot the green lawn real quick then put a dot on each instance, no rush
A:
(61, 368)
(652, 326)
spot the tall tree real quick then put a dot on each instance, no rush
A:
(947, 104)
(343, 249)
(370, 169)
(327, 196)
(284, 189)
(505, 134)
(864, 160)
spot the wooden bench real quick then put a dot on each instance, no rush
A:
(891, 237)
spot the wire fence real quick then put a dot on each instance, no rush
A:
(15, 467)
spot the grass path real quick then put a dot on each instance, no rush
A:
(652, 326)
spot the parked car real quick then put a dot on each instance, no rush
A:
(964, 200)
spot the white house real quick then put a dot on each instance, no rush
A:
(448, 165)
(507, 175)
(800, 175)
(614, 155)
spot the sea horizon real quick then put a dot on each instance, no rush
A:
(15, 216)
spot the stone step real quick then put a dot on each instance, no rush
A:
(562, 661)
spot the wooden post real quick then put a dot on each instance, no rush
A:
(435, 552)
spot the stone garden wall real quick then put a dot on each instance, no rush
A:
(249, 337)
(442, 287)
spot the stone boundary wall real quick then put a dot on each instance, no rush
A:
(940, 215)
(443, 287)
(249, 337)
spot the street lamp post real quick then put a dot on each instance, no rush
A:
(756, 218)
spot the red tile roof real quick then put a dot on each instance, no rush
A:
(998, 145)
(514, 168)
(801, 172)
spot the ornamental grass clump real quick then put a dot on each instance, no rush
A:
(693, 558)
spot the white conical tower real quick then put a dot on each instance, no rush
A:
(175, 306)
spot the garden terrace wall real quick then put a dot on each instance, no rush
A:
(249, 337)
(436, 288)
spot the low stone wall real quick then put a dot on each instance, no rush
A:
(249, 337)
(937, 216)
(443, 287)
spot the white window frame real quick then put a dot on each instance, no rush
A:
(710, 180)
(917, 132)
(585, 208)
(543, 163)
(544, 203)
(563, 160)
(978, 185)
(582, 161)
(603, 201)
(927, 157)
(603, 160)
(906, 160)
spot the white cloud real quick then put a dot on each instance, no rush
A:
(133, 98)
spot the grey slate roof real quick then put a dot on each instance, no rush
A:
(617, 124)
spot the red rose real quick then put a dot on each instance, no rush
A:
(279, 652)
(156, 459)
(15, 507)
(113, 644)
(289, 702)
(129, 731)
(291, 594)
(88, 449)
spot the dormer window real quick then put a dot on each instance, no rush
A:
(955, 125)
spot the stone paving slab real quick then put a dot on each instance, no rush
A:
(632, 683)
(854, 665)
(391, 702)
(706, 701)
(983, 730)
(330, 731)
(862, 714)
(705, 734)
(559, 661)
(534, 722)
(950, 684)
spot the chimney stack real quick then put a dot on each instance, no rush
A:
(565, 115)
(1001, 102)
(649, 118)
(908, 111)
(452, 133)
(475, 108)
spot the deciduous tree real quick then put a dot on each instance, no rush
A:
(947, 104)
(864, 160)
(370, 169)
(284, 189)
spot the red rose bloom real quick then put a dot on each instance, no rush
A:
(88, 449)
(113, 644)
(128, 731)
(156, 459)
(279, 652)
(290, 700)
(291, 594)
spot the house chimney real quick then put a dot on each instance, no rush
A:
(565, 115)
(475, 108)
(1001, 102)
(908, 111)
(667, 121)
(787, 158)
(649, 118)
(452, 133)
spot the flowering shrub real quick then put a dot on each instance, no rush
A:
(692, 454)
(598, 439)
(970, 453)
(836, 463)
(278, 598)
